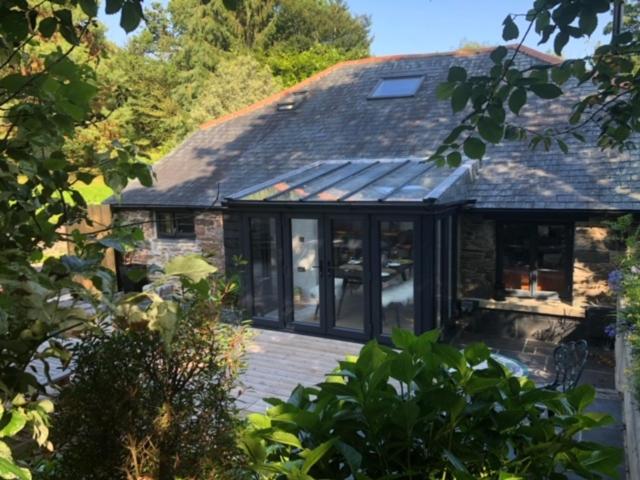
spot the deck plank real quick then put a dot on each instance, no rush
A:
(278, 361)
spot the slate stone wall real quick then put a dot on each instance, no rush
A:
(477, 263)
(208, 241)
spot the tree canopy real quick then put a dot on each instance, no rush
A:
(196, 60)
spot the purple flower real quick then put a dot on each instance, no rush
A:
(615, 281)
(610, 330)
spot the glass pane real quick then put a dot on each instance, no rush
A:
(452, 250)
(396, 275)
(437, 273)
(305, 255)
(355, 182)
(421, 186)
(318, 184)
(185, 223)
(389, 183)
(264, 267)
(516, 257)
(165, 223)
(347, 259)
(397, 87)
(551, 258)
(281, 186)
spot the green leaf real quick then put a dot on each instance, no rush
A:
(445, 90)
(517, 99)
(476, 353)
(47, 27)
(16, 423)
(563, 146)
(457, 74)
(314, 456)
(547, 91)
(193, 267)
(581, 397)
(402, 338)
(499, 54)
(474, 148)
(130, 16)
(489, 129)
(588, 21)
(460, 97)
(560, 74)
(284, 438)
(113, 6)
(562, 38)
(8, 469)
(89, 7)
(351, 455)
(510, 29)
(454, 159)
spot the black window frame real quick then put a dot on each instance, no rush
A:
(533, 292)
(174, 216)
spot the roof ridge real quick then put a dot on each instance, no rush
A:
(461, 52)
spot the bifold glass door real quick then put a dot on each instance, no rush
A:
(328, 275)
(353, 276)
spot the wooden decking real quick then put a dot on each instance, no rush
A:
(279, 361)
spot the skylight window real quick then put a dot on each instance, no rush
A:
(397, 87)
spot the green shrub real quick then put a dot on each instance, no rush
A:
(426, 410)
(154, 398)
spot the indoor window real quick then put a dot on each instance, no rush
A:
(175, 224)
(535, 259)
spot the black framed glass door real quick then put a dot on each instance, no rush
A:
(348, 276)
(327, 284)
(307, 267)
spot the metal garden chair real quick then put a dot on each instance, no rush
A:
(569, 359)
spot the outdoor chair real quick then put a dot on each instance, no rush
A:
(569, 360)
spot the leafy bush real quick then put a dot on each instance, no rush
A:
(625, 281)
(154, 398)
(426, 410)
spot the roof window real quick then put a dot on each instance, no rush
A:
(397, 87)
(292, 101)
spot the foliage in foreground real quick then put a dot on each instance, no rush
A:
(154, 398)
(48, 90)
(626, 283)
(427, 410)
(602, 87)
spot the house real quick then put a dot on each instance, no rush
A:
(348, 232)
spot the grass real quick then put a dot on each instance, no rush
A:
(96, 192)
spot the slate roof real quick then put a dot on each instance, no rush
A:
(336, 121)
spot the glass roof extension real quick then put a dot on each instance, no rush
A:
(352, 182)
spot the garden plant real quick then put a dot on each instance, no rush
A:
(425, 409)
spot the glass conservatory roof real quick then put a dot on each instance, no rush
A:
(352, 181)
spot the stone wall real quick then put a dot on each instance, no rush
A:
(208, 241)
(595, 255)
(477, 264)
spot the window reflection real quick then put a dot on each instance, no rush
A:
(305, 257)
(396, 275)
(348, 273)
(264, 267)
